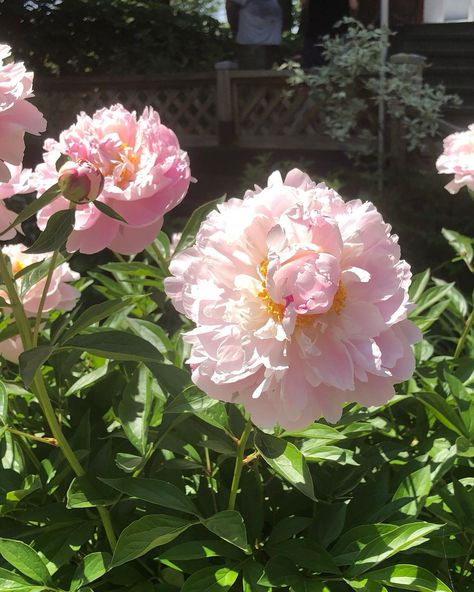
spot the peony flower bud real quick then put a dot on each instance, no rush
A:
(80, 182)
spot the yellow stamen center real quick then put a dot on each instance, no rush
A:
(276, 311)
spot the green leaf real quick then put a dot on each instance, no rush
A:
(415, 488)
(464, 447)
(56, 233)
(23, 558)
(146, 534)
(115, 345)
(3, 404)
(229, 526)
(91, 568)
(152, 333)
(33, 207)
(88, 380)
(192, 226)
(191, 400)
(108, 211)
(288, 527)
(34, 273)
(443, 411)
(408, 577)
(211, 579)
(418, 285)
(386, 545)
(252, 572)
(88, 492)
(318, 431)
(11, 580)
(307, 554)
(93, 314)
(314, 451)
(460, 243)
(154, 491)
(280, 571)
(200, 550)
(31, 360)
(285, 459)
(135, 407)
(431, 297)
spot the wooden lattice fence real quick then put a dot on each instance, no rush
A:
(255, 109)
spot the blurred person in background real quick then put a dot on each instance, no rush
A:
(257, 27)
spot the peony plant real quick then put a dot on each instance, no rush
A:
(128, 460)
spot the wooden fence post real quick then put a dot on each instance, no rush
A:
(398, 145)
(226, 130)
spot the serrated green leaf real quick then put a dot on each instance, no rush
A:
(286, 460)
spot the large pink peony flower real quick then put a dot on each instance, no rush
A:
(18, 183)
(17, 115)
(458, 159)
(300, 302)
(61, 295)
(146, 175)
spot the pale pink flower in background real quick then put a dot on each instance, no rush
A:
(458, 159)
(18, 184)
(146, 175)
(60, 296)
(17, 115)
(300, 302)
(175, 238)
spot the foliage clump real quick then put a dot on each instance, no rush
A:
(353, 82)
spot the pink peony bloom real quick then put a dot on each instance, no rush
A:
(458, 159)
(80, 182)
(300, 303)
(17, 115)
(61, 295)
(146, 175)
(18, 183)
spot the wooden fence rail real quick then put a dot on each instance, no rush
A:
(256, 109)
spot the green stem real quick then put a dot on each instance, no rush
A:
(161, 260)
(42, 439)
(39, 389)
(49, 277)
(238, 465)
(465, 333)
